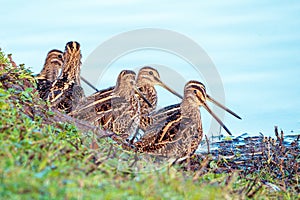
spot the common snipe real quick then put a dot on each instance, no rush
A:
(147, 78)
(50, 72)
(66, 91)
(115, 109)
(177, 130)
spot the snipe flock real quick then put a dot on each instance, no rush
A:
(130, 105)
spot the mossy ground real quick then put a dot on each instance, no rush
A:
(39, 160)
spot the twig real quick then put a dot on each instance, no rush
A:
(11, 60)
(282, 136)
(203, 165)
(207, 142)
(81, 125)
(136, 158)
(251, 193)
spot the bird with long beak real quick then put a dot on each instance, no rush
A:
(147, 78)
(177, 130)
(49, 73)
(66, 91)
(115, 109)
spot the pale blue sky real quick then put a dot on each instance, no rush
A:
(255, 45)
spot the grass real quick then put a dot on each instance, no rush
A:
(40, 160)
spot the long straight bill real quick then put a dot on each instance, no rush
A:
(216, 118)
(89, 84)
(168, 88)
(223, 107)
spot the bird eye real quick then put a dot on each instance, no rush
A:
(60, 56)
(195, 91)
(151, 72)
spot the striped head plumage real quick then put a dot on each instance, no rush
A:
(72, 62)
(195, 94)
(125, 81)
(52, 66)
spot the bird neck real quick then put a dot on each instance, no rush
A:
(53, 73)
(147, 89)
(189, 108)
(49, 72)
(151, 95)
(124, 90)
(71, 69)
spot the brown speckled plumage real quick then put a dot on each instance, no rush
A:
(66, 92)
(177, 130)
(115, 109)
(50, 72)
(147, 78)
